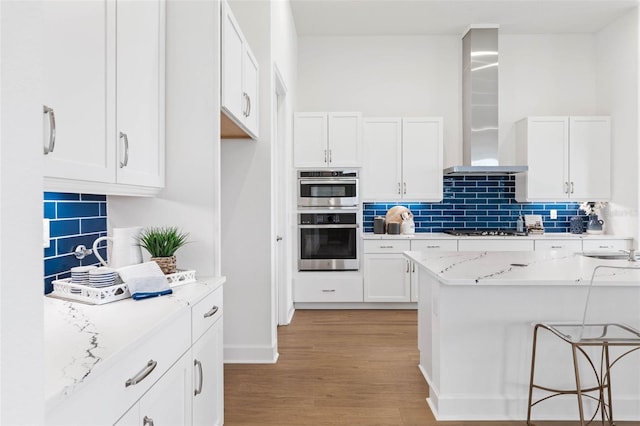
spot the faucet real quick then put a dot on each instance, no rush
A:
(631, 253)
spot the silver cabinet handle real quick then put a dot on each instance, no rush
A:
(556, 246)
(278, 238)
(147, 421)
(330, 159)
(248, 105)
(566, 187)
(211, 313)
(389, 247)
(433, 247)
(198, 364)
(52, 129)
(125, 161)
(151, 365)
(405, 187)
(325, 155)
(572, 187)
(408, 266)
(398, 187)
(413, 269)
(605, 247)
(333, 290)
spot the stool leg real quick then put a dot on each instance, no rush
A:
(533, 364)
(578, 389)
(608, 376)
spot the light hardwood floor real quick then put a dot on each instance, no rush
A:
(340, 367)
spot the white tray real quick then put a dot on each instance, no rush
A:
(84, 293)
(99, 296)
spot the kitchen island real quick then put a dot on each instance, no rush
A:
(475, 315)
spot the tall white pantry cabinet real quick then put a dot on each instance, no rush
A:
(569, 158)
(103, 100)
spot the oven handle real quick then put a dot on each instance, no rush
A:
(328, 182)
(350, 226)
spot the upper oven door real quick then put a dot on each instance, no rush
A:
(328, 192)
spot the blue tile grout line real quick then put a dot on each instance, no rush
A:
(80, 219)
(476, 202)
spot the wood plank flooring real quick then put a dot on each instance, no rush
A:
(339, 367)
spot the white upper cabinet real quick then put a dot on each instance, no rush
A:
(104, 75)
(140, 92)
(239, 81)
(403, 159)
(327, 139)
(568, 158)
(78, 90)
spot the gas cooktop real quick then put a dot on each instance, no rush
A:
(484, 232)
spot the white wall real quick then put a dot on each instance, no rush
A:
(247, 212)
(421, 75)
(191, 198)
(21, 267)
(618, 72)
(284, 46)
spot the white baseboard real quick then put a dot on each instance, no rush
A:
(356, 305)
(250, 354)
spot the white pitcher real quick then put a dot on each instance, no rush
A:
(123, 250)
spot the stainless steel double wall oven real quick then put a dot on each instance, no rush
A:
(328, 220)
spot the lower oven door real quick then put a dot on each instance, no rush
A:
(328, 248)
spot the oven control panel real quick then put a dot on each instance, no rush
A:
(328, 218)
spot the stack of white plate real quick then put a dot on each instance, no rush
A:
(102, 277)
(80, 274)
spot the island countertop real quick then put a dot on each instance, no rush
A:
(520, 268)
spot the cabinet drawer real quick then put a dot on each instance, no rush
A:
(495, 245)
(570, 245)
(105, 397)
(328, 289)
(386, 246)
(205, 313)
(588, 245)
(426, 245)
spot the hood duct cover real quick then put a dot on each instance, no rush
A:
(480, 106)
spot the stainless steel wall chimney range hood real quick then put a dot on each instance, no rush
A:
(480, 105)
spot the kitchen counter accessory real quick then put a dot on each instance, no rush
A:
(393, 228)
(576, 225)
(378, 225)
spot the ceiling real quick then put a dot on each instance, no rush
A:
(413, 17)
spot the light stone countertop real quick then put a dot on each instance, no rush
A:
(521, 268)
(81, 339)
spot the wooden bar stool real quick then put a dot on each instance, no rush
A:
(582, 335)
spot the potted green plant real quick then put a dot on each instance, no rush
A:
(162, 244)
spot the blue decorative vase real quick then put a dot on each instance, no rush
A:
(576, 225)
(594, 226)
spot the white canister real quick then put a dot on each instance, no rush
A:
(408, 227)
(124, 249)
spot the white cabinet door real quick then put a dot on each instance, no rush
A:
(387, 278)
(422, 144)
(608, 244)
(140, 92)
(382, 166)
(590, 158)
(250, 75)
(208, 378)
(543, 145)
(168, 402)
(79, 51)
(310, 139)
(239, 80)
(344, 139)
(232, 51)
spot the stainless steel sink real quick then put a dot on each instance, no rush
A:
(611, 255)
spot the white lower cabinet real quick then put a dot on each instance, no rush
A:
(496, 245)
(168, 402)
(208, 373)
(327, 287)
(568, 245)
(388, 275)
(606, 244)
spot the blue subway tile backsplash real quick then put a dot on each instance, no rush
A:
(476, 202)
(75, 219)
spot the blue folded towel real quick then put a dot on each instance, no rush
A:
(145, 280)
